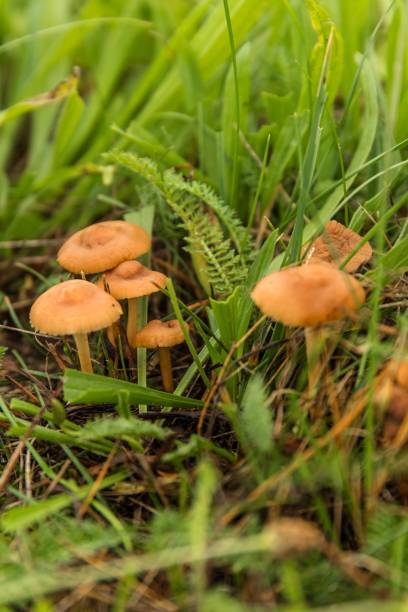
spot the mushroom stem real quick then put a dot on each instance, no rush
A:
(81, 341)
(316, 339)
(166, 369)
(131, 329)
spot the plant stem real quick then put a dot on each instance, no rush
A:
(81, 341)
(131, 329)
(166, 369)
(316, 339)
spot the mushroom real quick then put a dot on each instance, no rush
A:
(397, 370)
(309, 296)
(393, 400)
(393, 376)
(131, 280)
(102, 246)
(75, 307)
(161, 335)
(335, 244)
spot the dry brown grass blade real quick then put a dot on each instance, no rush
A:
(95, 487)
(54, 483)
(402, 435)
(8, 470)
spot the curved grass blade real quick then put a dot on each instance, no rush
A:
(80, 387)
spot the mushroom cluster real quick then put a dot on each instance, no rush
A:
(317, 293)
(78, 307)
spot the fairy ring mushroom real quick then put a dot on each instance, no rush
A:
(335, 244)
(75, 307)
(309, 296)
(161, 335)
(102, 246)
(131, 280)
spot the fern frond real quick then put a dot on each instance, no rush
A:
(226, 214)
(218, 243)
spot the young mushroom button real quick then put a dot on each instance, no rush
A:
(308, 296)
(102, 246)
(163, 336)
(131, 280)
(75, 307)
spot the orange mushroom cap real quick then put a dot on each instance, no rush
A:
(102, 246)
(308, 295)
(336, 243)
(159, 334)
(131, 279)
(74, 307)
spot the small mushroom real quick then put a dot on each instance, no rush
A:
(392, 399)
(397, 370)
(131, 280)
(102, 246)
(75, 307)
(161, 335)
(309, 296)
(335, 244)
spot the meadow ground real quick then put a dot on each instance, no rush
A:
(232, 131)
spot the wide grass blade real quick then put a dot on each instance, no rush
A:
(58, 93)
(82, 388)
(25, 516)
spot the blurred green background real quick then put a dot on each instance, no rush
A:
(162, 71)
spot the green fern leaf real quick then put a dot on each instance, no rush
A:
(217, 241)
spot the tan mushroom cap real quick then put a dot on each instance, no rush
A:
(336, 243)
(74, 307)
(308, 295)
(102, 246)
(159, 334)
(131, 279)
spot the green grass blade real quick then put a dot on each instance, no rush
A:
(80, 387)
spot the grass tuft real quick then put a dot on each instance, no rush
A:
(232, 132)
